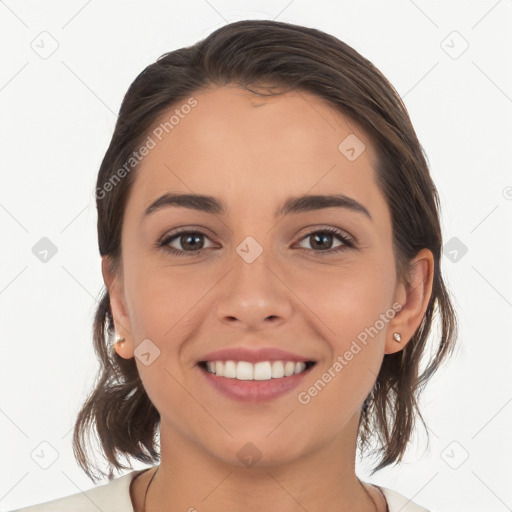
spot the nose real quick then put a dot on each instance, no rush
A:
(253, 296)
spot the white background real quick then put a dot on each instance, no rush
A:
(57, 117)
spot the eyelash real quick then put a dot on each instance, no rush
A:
(347, 242)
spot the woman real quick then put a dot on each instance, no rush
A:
(259, 358)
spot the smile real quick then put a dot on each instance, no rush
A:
(258, 382)
(263, 370)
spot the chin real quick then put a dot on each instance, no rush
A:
(258, 451)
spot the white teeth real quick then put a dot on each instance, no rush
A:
(264, 370)
(289, 368)
(229, 370)
(277, 370)
(244, 371)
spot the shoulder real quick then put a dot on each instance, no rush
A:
(113, 496)
(399, 503)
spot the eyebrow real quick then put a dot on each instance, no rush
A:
(212, 205)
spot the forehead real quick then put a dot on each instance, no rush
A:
(233, 142)
(232, 117)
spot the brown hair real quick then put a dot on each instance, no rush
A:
(250, 53)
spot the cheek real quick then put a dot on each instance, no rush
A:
(162, 310)
(349, 308)
(160, 297)
(348, 301)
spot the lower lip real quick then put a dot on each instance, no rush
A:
(254, 390)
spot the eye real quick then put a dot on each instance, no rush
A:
(322, 241)
(189, 242)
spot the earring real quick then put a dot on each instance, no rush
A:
(397, 337)
(120, 341)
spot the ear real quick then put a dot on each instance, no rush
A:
(414, 299)
(122, 322)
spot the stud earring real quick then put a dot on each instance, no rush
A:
(120, 341)
(397, 337)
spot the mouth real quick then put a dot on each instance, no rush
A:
(260, 371)
(257, 382)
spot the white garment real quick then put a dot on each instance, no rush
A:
(114, 496)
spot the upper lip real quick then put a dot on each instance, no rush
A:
(252, 355)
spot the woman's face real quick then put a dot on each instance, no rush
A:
(259, 280)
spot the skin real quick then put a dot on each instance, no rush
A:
(253, 153)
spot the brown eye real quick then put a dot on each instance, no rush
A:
(322, 241)
(189, 243)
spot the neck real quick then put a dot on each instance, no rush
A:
(188, 478)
